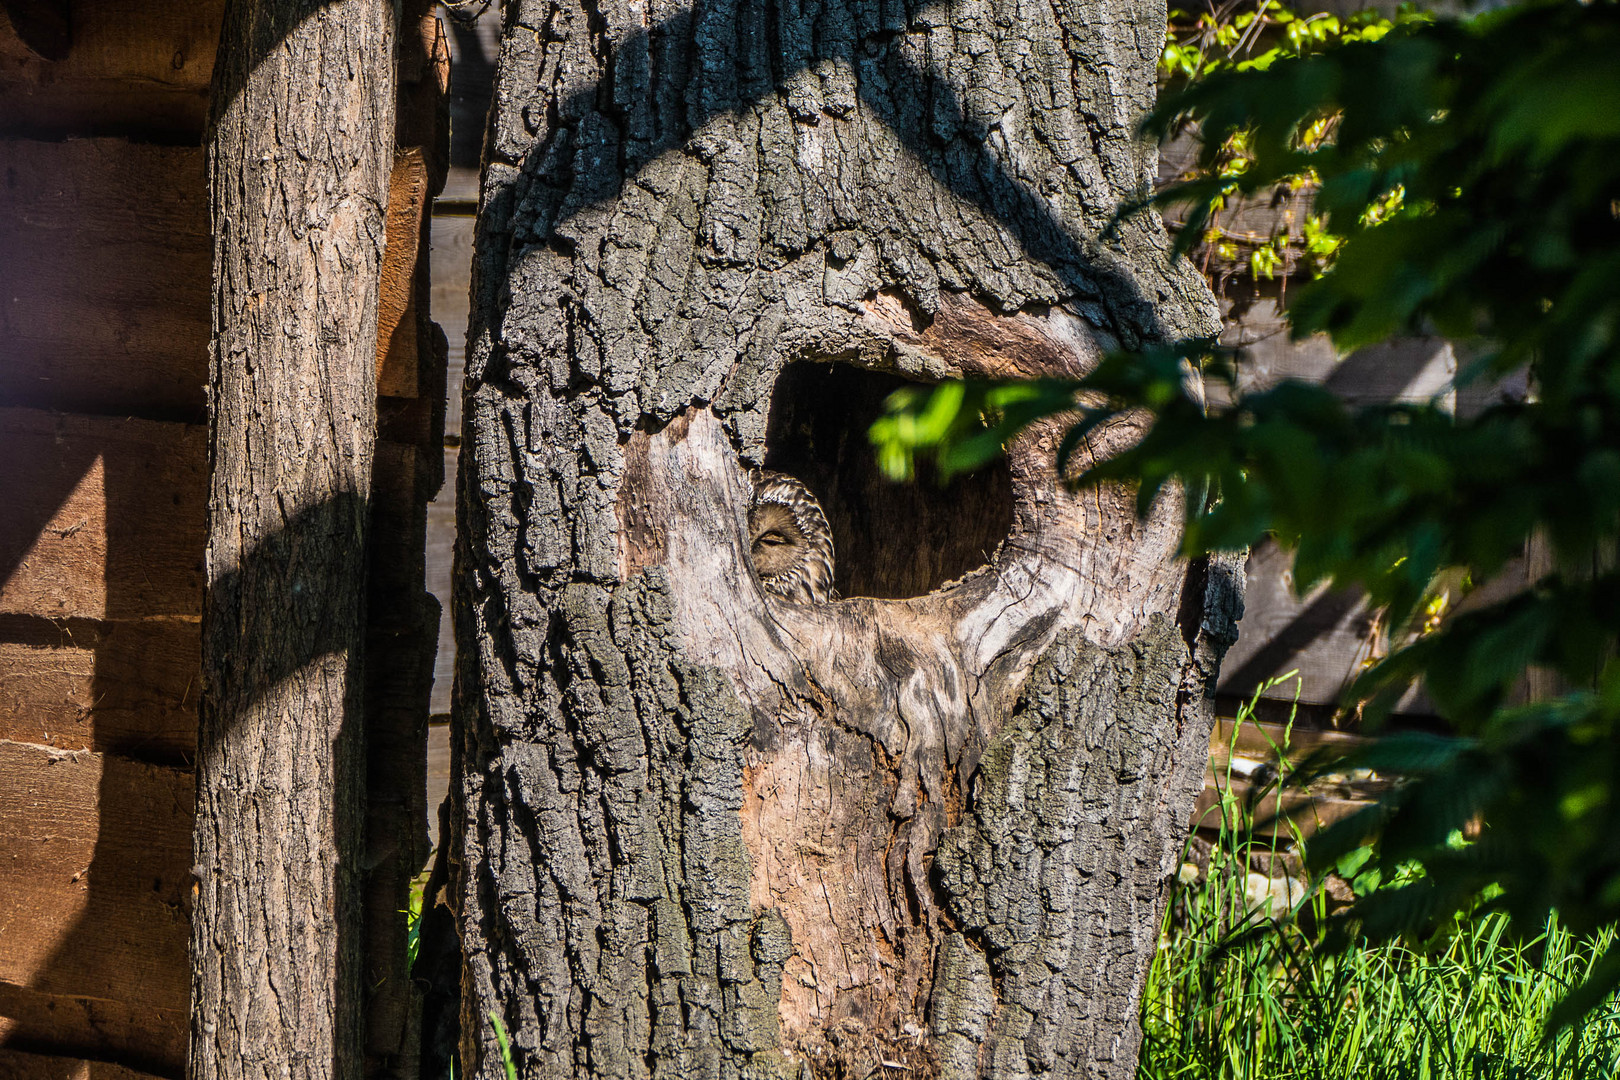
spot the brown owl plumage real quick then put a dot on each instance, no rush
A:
(789, 541)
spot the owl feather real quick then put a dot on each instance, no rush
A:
(789, 541)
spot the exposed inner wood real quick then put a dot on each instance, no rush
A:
(867, 712)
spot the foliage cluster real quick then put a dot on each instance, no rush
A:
(1501, 134)
(1231, 37)
(1242, 991)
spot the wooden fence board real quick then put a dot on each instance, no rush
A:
(125, 687)
(441, 553)
(1238, 752)
(135, 1032)
(132, 67)
(452, 280)
(1327, 636)
(15, 1065)
(398, 355)
(94, 881)
(105, 517)
(438, 777)
(106, 277)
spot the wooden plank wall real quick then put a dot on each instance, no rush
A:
(472, 79)
(104, 324)
(1328, 637)
(103, 455)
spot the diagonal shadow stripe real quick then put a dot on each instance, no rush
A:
(38, 486)
(1318, 619)
(764, 59)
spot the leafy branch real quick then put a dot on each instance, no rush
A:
(1468, 173)
(1231, 38)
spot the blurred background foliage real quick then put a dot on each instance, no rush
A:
(1465, 180)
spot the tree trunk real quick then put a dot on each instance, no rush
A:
(300, 146)
(702, 831)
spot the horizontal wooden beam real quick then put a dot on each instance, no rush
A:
(93, 897)
(105, 517)
(15, 1065)
(105, 277)
(132, 67)
(123, 687)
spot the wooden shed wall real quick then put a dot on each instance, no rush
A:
(105, 264)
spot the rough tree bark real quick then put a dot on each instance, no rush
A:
(299, 151)
(697, 831)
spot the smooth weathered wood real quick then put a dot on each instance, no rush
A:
(451, 256)
(441, 544)
(41, 25)
(695, 831)
(1413, 369)
(15, 1065)
(132, 68)
(398, 353)
(474, 48)
(438, 776)
(124, 687)
(132, 1032)
(1326, 637)
(94, 877)
(104, 516)
(300, 148)
(105, 277)
(452, 282)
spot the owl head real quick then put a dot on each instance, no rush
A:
(789, 541)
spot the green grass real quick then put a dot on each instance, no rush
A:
(1234, 995)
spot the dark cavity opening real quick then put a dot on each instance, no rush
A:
(891, 540)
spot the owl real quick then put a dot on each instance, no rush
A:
(789, 541)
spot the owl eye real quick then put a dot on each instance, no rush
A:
(772, 537)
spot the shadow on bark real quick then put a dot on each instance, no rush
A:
(970, 173)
